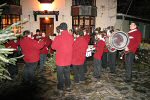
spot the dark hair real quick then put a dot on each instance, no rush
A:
(26, 33)
(81, 33)
(103, 33)
(136, 23)
(111, 28)
(98, 29)
(63, 26)
(71, 30)
(37, 30)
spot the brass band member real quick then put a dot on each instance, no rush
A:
(135, 39)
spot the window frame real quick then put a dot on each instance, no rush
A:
(7, 20)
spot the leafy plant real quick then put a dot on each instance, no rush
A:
(51, 62)
(7, 34)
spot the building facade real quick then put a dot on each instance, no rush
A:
(46, 15)
(123, 22)
(50, 15)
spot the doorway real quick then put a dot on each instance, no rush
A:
(47, 25)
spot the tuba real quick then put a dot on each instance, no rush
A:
(117, 41)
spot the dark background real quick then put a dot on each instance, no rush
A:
(138, 8)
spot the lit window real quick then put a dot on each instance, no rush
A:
(7, 20)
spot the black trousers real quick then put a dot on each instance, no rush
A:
(29, 71)
(112, 61)
(63, 77)
(78, 73)
(105, 60)
(97, 68)
(129, 59)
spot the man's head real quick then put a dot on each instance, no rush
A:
(81, 33)
(110, 28)
(38, 31)
(63, 26)
(43, 34)
(133, 26)
(97, 30)
(27, 33)
(101, 35)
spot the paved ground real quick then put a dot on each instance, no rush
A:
(109, 87)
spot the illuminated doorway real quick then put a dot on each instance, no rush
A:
(47, 25)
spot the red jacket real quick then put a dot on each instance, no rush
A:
(106, 49)
(37, 37)
(45, 49)
(99, 47)
(87, 37)
(63, 46)
(135, 41)
(12, 44)
(31, 49)
(79, 51)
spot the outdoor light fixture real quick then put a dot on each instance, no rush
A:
(46, 6)
(46, 1)
(35, 13)
(45, 11)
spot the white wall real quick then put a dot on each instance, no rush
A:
(106, 13)
(28, 6)
(122, 25)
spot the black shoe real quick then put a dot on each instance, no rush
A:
(127, 81)
(61, 89)
(27, 83)
(113, 72)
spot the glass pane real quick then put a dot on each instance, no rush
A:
(17, 19)
(4, 21)
(14, 20)
(7, 20)
(92, 21)
(81, 21)
(86, 22)
(76, 22)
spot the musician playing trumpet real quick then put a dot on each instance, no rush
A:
(135, 39)
(99, 49)
(109, 57)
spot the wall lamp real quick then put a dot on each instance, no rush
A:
(45, 12)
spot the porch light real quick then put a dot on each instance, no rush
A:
(46, 6)
(36, 13)
(46, 18)
(46, 1)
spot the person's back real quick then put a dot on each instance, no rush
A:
(31, 49)
(79, 51)
(63, 46)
